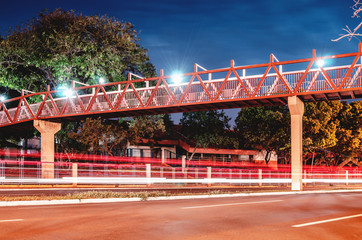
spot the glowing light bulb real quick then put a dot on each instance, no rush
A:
(176, 78)
(320, 63)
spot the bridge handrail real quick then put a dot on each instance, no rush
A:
(254, 86)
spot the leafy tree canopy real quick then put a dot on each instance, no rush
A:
(109, 136)
(58, 46)
(320, 124)
(208, 129)
(147, 126)
(264, 128)
(349, 132)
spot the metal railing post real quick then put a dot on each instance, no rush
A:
(105, 173)
(183, 163)
(346, 177)
(2, 170)
(91, 170)
(148, 174)
(260, 176)
(75, 174)
(209, 176)
(119, 171)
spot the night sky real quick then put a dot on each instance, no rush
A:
(211, 33)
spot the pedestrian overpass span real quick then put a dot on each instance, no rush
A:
(231, 87)
(292, 82)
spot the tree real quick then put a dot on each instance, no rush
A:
(66, 145)
(110, 136)
(264, 128)
(59, 46)
(357, 8)
(320, 124)
(208, 129)
(146, 127)
(349, 133)
(102, 136)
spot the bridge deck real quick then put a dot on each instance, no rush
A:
(200, 90)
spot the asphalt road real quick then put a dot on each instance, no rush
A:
(308, 216)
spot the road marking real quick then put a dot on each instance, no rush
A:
(328, 220)
(232, 204)
(11, 220)
(51, 206)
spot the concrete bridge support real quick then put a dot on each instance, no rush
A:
(47, 130)
(296, 109)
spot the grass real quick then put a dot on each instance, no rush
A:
(145, 194)
(108, 194)
(89, 194)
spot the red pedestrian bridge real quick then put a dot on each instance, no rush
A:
(294, 82)
(322, 78)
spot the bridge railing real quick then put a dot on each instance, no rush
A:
(29, 172)
(198, 87)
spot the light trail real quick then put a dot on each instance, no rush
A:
(326, 221)
(11, 220)
(147, 181)
(232, 204)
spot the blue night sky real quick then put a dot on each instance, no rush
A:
(211, 33)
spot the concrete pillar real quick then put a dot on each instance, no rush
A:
(296, 108)
(47, 130)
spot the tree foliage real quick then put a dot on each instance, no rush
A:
(349, 132)
(111, 136)
(355, 32)
(208, 129)
(334, 127)
(58, 46)
(101, 136)
(263, 128)
(320, 124)
(148, 127)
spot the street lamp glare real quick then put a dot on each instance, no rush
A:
(176, 78)
(101, 80)
(320, 63)
(67, 92)
(2, 98)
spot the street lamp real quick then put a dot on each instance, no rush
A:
(101, 80)
(66, 92)
(2, 98)
(320, 63)
(176, 78)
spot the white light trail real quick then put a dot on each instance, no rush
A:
(232, 204)
(326, 221)
(11, 220)
(145, 180)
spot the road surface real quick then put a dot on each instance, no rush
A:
(308, 216)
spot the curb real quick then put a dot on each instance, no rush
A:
(119, 200)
